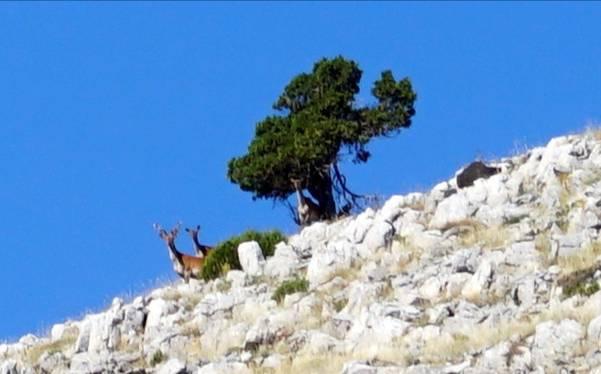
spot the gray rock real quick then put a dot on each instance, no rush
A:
(53, 362)
(283, 263)
(268, 330)
(554, 341)
(357, 229)
(593, 332)
(330, 258)
(455, 208)
(173, 366)
(479, 282)
(358, 367)
(567, 245)
(379, 236)
(83, 339)
(251, 258)
(224, 368)
(10, 366)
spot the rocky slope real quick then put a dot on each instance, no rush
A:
(501, 276)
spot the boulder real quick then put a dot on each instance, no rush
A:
(555, 341)
(330, 258)
(453, 209)
(479, 282)
(283, 263)
(251, 258)
(173, 366)
(224, 368)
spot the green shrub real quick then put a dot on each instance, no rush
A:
(289, 287)
(225, 254)
(586, 288)
(157, 358)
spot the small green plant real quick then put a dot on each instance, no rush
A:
(580, 282)
(157, 358)
(225, 255)
(289, 287)
(586, 288)
(340, 304)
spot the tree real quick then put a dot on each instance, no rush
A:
(318, 120)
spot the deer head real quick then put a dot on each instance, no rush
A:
(193, 232)
(296, 183)
(167, 236)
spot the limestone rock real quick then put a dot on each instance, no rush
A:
(556, 340)
(251, 258)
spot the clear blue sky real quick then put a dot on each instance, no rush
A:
(118, 115)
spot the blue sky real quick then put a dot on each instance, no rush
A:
(118, 115)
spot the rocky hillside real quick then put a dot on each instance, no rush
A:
(501, 276)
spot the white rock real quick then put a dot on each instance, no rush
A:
(9, 366)
(216, 302)
(455, 208)
(392, 208)
(329, 259)
(56, 333)
(455, 284)
(426, 239)
(224, 368)
(53, 362)
(477, 193)
(29, 340)
(556, 339)
(157, 309)
(237, 278)
(283, 263)
(379, 236)
(436, 195)
(360, 295)
(479, 282)
(273, 361)
(431, 289)
(319, 342)
(83, 339)
(268, 330)
(523, 254)
(173, 366)
(359, 367)
(593, 331)
(356, 230)
(567, 245)
(496, 192)
(251, 258)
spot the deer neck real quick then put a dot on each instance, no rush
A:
(175, 255)
(198, 248)
(300, 196)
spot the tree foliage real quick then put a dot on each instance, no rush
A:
(319, 123)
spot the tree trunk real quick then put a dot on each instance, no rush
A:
(320, 188)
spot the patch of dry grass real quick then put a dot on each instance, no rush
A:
(472, 233)
(542, 243)
(34, 353)
(478, 338)
(581, 260)
(332, 362)
(406, 253)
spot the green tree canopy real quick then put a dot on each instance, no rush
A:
(319, 123)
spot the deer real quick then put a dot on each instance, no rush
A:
(200, 249)
(308, 210)
(184, 265)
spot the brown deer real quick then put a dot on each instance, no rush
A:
(200, 249)
(308, 211)
(184, 265)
